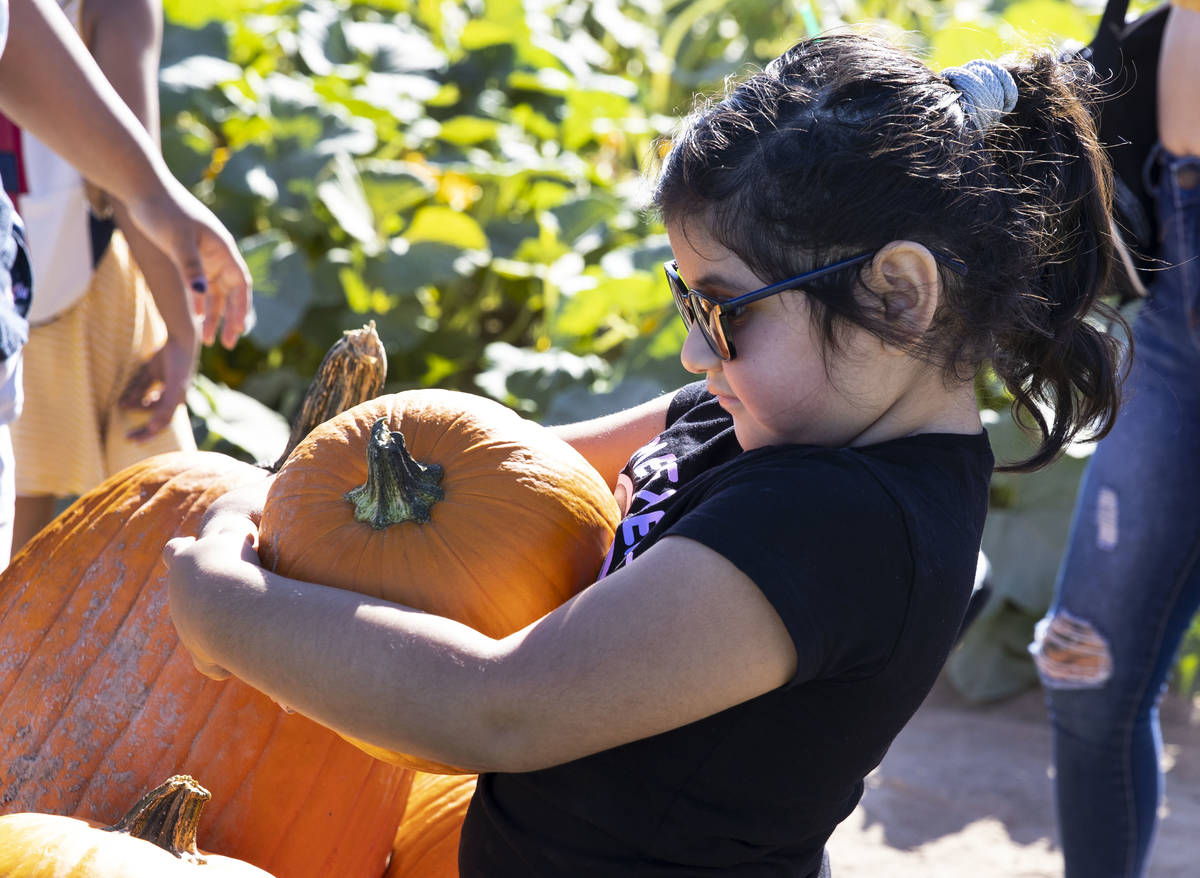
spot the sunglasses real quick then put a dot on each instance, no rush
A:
(713, 315)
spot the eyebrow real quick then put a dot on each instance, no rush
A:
(708, 282)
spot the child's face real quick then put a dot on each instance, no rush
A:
(780, 388)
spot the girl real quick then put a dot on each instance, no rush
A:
(854, 236)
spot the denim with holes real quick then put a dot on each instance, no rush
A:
(1129, 583)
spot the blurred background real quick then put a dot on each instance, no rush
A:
(469, 176)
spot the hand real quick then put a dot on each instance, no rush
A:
(159, 386)
(194, 581)
(204, 253)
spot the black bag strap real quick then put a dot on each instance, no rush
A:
(1114, 14)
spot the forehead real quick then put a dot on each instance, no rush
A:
(704, 263)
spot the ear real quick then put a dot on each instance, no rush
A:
(904, 277)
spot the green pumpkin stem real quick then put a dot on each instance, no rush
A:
(168, 816)
(398, 488)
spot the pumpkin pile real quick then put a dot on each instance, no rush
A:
(99, 700)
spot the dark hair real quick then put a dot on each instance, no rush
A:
(844, 143)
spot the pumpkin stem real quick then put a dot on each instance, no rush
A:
(352, 372)
(398, 488)
(168, 816)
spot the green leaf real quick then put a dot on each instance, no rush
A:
(395, 187)
(469, 130)
(227, 416)
(1047, 22)
(527, 380)
(443, 225)
(393, 48)
(282, 286)
(992, 661)
(192, 14)
(404, 267)
(960, 42)
(342, 194)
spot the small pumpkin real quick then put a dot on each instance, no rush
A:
(427, 839)
(99, 700)
(443, 501)
(155, 839)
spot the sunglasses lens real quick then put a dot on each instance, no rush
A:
(682, 300)
(709, 316)
(694, 308)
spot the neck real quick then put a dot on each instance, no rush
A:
(927, 407)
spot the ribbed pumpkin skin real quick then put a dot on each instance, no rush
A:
(99, 701)
(52, 846)
(524, 524)
(427, 841)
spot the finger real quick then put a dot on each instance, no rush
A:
(211, 670)
(134, 394)
(237, 306)
(173, 547)
(160, 414)
(212, 315)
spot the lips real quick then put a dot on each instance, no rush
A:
(725, 400)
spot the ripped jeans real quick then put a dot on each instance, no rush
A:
(1129, 583)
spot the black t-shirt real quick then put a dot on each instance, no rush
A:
(868, 555)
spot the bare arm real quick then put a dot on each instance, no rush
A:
(677, 635)
(125, 38)
(608, 442)
(51, 86)
(1178, 83)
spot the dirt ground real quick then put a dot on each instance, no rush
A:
(965, 792)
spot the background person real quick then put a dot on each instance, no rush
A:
(50, 86)
(1129, 583)
(113, 336)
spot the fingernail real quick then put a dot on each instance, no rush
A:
(200, 285)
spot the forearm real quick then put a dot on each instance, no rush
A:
(1179, 82)
(396, 678)
(50, 85)
(171, 295)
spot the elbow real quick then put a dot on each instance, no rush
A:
(508, 740)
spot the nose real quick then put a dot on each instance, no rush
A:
(697, 357)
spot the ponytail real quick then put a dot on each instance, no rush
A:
(1061, 368)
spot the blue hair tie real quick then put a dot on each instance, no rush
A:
(988, 91)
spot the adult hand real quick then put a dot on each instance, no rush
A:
(203, 252)
(159, 386)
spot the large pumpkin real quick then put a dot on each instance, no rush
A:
(98, 699)
(426, 843)
(156, 839)
(444, 501)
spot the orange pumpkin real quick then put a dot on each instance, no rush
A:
(156, 839)
(98, 699)
(443, 501)
(426, 843)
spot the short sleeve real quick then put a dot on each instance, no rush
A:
(825, 543)
(684, 400)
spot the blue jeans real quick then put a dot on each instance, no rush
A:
(1129, 583)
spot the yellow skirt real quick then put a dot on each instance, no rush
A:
(71, 434)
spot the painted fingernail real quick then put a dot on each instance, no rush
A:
(200, 285)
